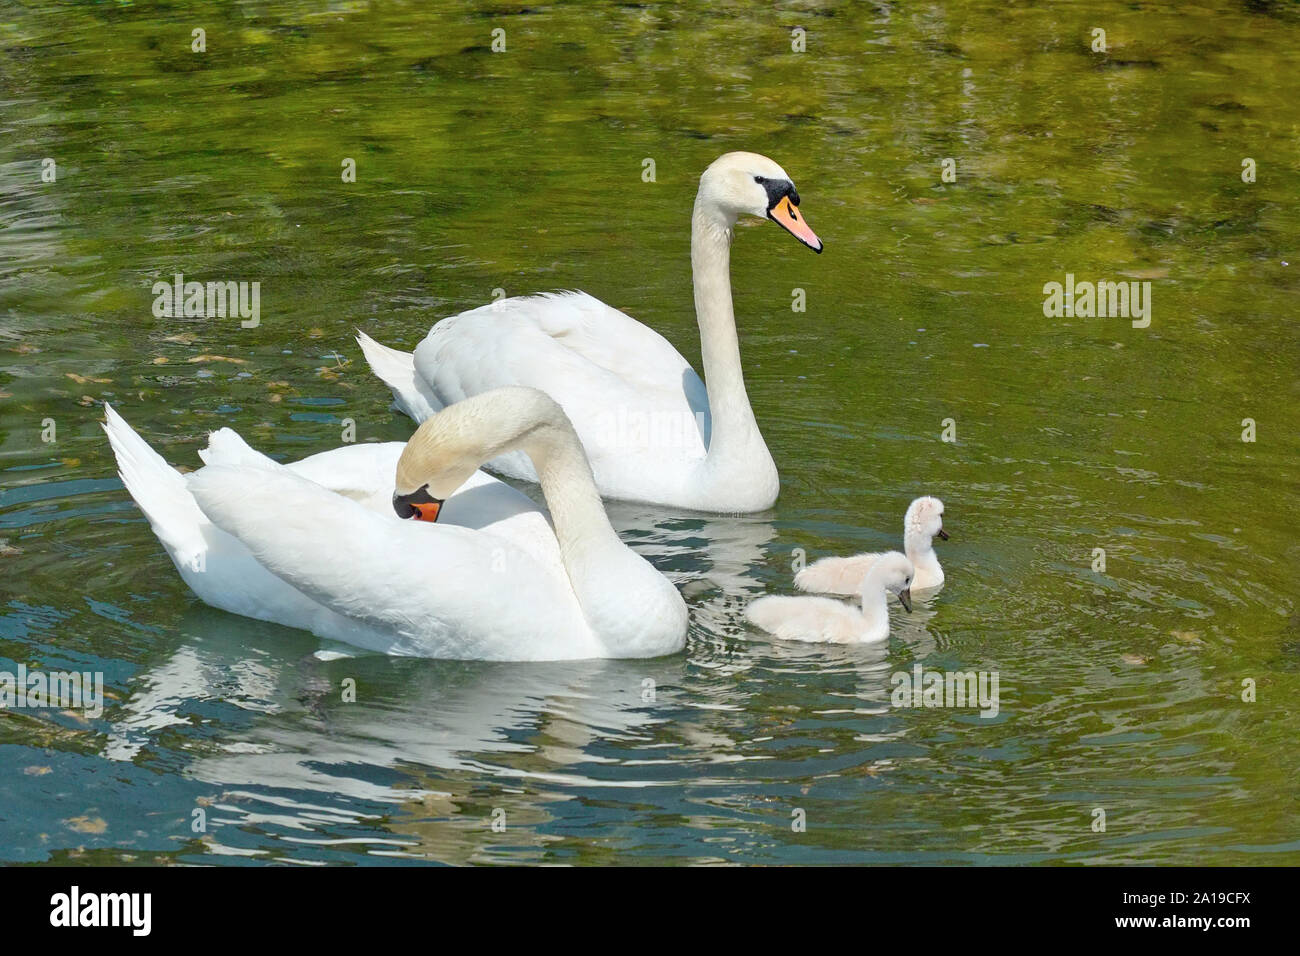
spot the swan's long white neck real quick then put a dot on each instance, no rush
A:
(613, 584)
(581, 525)
(736, 447)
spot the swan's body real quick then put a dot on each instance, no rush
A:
(923, 521)
(826, 620)
(651, 429)
(316, 545)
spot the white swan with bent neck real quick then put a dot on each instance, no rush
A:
(316, 544)
(651, 430)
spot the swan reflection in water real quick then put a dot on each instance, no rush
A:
(430, 749)
(421, 742)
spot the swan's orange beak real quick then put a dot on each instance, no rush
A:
(786, 215)
(419, 505)
(427, 512)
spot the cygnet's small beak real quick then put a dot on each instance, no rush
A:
(943, 534)
(905, 599)
(786, 215)
(418, 504)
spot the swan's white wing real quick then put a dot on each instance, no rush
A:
(815, 619)
(836, 575)
(224, 573)
(365, 474)
(362, 472)
(429, 590)
(524, 336)
(624, 387)
(216, 566)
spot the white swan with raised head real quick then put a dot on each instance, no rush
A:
(651, 429)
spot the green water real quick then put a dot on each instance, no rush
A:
(522, 171)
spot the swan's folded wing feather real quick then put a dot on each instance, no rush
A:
(814, 619)
(589, 357)
(433, 588)
(363, 472)
(216, 566)
(609, 339)
(836, 575)
(596, 337)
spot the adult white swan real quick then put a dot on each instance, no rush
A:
(316, 544)
(651, 430)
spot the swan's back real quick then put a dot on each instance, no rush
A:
(836, 575)
(621, 383)
(813, 619)
(594, 337)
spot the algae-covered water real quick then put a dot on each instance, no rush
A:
(524, 170)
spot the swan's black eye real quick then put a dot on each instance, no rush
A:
(777, 189)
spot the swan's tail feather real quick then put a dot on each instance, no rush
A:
(159, 490)
(835, 575)
(397, 370)
(767, 612)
